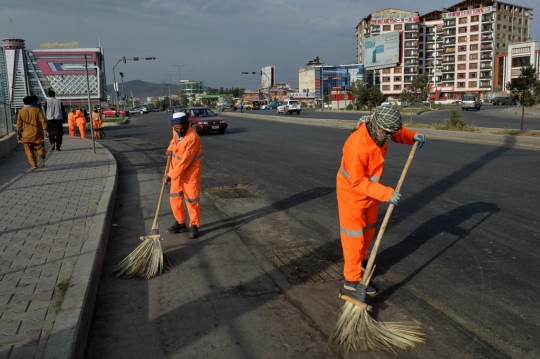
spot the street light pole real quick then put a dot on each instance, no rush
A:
(123, 93)
(170, 83)
(179, 81)
(115, 86)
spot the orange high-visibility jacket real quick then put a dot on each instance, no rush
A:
(71, 117)
(97, 119)
(186, 157)
(362, 165)
(79, 117)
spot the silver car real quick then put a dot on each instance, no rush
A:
(469, 102)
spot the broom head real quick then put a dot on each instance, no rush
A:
(145, 262)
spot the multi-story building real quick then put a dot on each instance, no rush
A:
(519, 55)
(191, 88)
(456, 47)
(64, 70)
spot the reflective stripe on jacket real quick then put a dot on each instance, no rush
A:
(186, 157)
(362, 165)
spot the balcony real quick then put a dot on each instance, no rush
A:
(449, 69)
(487, 28)
(487, 76)
(486, 66)
(411, 54)
(487, 18)
(486, 48)
(449, 42)
(412, 61)
(449, 77)
(411, 27)
(450, 23)
(487, 38)
(410, 35)
(485, 57)
(375, 29)
(449, 59)
(449, 50)
(485, 84)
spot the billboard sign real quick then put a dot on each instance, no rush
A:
(482, 10)
(381, 50)
(393, 16)
(267, 77)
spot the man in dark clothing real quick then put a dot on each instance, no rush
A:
(55, 115)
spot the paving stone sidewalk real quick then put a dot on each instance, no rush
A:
(53, 230)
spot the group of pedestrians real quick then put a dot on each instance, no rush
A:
(35, 122)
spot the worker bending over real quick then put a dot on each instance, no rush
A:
(359, 189)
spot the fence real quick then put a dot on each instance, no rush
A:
(6, 121)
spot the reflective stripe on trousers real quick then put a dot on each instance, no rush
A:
(346, 175)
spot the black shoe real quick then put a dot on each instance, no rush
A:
(177, 228)
(53, 147)
(193, 232)
(356, 291)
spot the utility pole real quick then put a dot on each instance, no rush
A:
(124, 60)
(123, 93)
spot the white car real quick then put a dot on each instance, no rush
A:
(289, 106)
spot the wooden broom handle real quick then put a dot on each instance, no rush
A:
(155, 225)
(369, 268)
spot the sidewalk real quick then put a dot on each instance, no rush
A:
(54, 223)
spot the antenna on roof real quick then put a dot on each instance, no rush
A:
(11, 21)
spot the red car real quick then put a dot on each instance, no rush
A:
(202, 119)
(113, 112)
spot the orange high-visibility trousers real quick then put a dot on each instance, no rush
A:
(71, 127)
(357, 229)
(188, 193)
(82, 129)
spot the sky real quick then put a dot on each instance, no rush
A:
(214, 40)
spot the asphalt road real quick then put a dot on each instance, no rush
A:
(488, 116)
(464, 240)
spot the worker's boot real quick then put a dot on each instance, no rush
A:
(359, 291)
(40, 162)
(177, 228)
(193, 232)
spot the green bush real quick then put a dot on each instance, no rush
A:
(455, 121)
(349, 107)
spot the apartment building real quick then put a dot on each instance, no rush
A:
(457, 47)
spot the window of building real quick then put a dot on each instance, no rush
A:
(397, 87)
(473, 83)
(473, 65)
(397, 70)
(462, 39)
(498, 26)
(504, 27)
(473, 75)
(462, 20)
(386, 79)
(462, 48)
(475, 28)
(420, 62)
(473, 47)
(462, 57)
(461, 75)
(473, 57)
(397, 78)
(521, 61)
(461, 84)
(386, 71)
(398, 27)
(474, 18)
(462, 29)
(474, 37)
(386, 28)
(498, 16)
(461, 66)
(386, 88)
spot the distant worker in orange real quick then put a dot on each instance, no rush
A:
(359, 190)
(80, 119)
(71, 122)
(184, 174)
(30, 126)
(97, 121)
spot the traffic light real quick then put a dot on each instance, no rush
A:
(124, 59)
(135, 59)
(245, 73)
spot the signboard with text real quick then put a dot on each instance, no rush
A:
(382, 50)
(393, 16)
(482, 10)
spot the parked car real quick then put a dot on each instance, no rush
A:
(202, 119)
(503, 101)
(469, 102)
(272, 106)
(256, 105)
(114, 112)
(289, 106)
(327, 105)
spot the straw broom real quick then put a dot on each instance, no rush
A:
(355, 329)
(146, 261)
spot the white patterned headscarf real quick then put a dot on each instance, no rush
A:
(385, 117)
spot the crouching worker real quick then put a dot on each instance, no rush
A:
(359, 190)
(184, 174)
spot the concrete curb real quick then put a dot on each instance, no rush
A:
(73, 322)
(7, 144)
(481, 138)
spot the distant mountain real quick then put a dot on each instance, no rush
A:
(143, 89)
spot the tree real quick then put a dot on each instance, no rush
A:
(525, 89)
(374, 97)
(417, 91)
(360, 92)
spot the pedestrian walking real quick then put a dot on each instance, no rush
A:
(184, 175)
(30, 127)
(242, 106)
(71, 122)
(359, 190)
(35, 102)
(97, 121)
(80, 120)
(55, 115)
